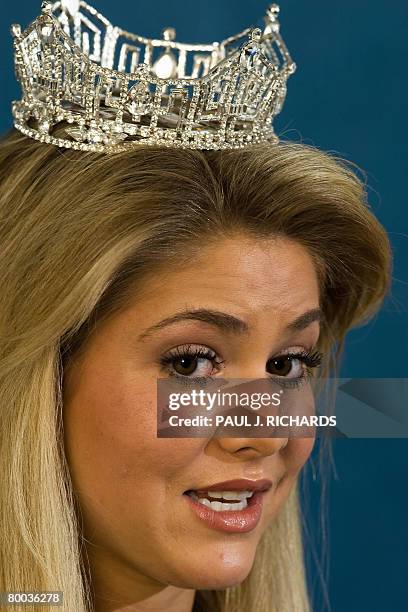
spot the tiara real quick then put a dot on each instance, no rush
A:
(89, 85)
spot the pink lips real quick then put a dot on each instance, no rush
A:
(239, 484)
(239, 521)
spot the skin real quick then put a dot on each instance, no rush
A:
(147, 549)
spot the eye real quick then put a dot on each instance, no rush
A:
(188, 360)
(294, 365)
(284, 365)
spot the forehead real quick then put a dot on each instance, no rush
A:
(250, 273)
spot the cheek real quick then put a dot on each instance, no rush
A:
(293, 457)
(297, 452)
(111, 445)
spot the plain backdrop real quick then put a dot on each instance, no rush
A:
(349, 95)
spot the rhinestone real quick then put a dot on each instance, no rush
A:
(93, 135)
(116, 128)
(166, 66)
(70, 6)
(113, 138)
(46, 7)
(76, 133)
(44, 126)
(47, 33)
(15, 30)
(169, 34)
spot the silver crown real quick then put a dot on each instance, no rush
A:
(116, 90)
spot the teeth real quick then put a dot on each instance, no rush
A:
(234, 494)
(219, 506)
(217, 494)
(230, 495)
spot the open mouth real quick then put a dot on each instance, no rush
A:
(222, 501)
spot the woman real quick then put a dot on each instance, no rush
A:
(117, 270)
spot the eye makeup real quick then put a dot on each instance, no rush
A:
(183, 361)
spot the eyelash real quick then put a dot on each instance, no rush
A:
(309, 358)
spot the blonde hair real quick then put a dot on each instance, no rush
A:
(79, 232)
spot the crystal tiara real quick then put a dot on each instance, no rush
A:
(89, 85)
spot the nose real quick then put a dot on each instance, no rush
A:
(251, 448)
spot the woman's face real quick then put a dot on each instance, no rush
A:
(139, 525)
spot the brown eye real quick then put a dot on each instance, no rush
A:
(185, 365)
(280, 366)
(188, 361)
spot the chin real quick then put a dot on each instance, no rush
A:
(217, 571)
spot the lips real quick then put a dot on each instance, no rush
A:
(231, 505)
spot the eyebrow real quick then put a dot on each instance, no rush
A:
(228, 323)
